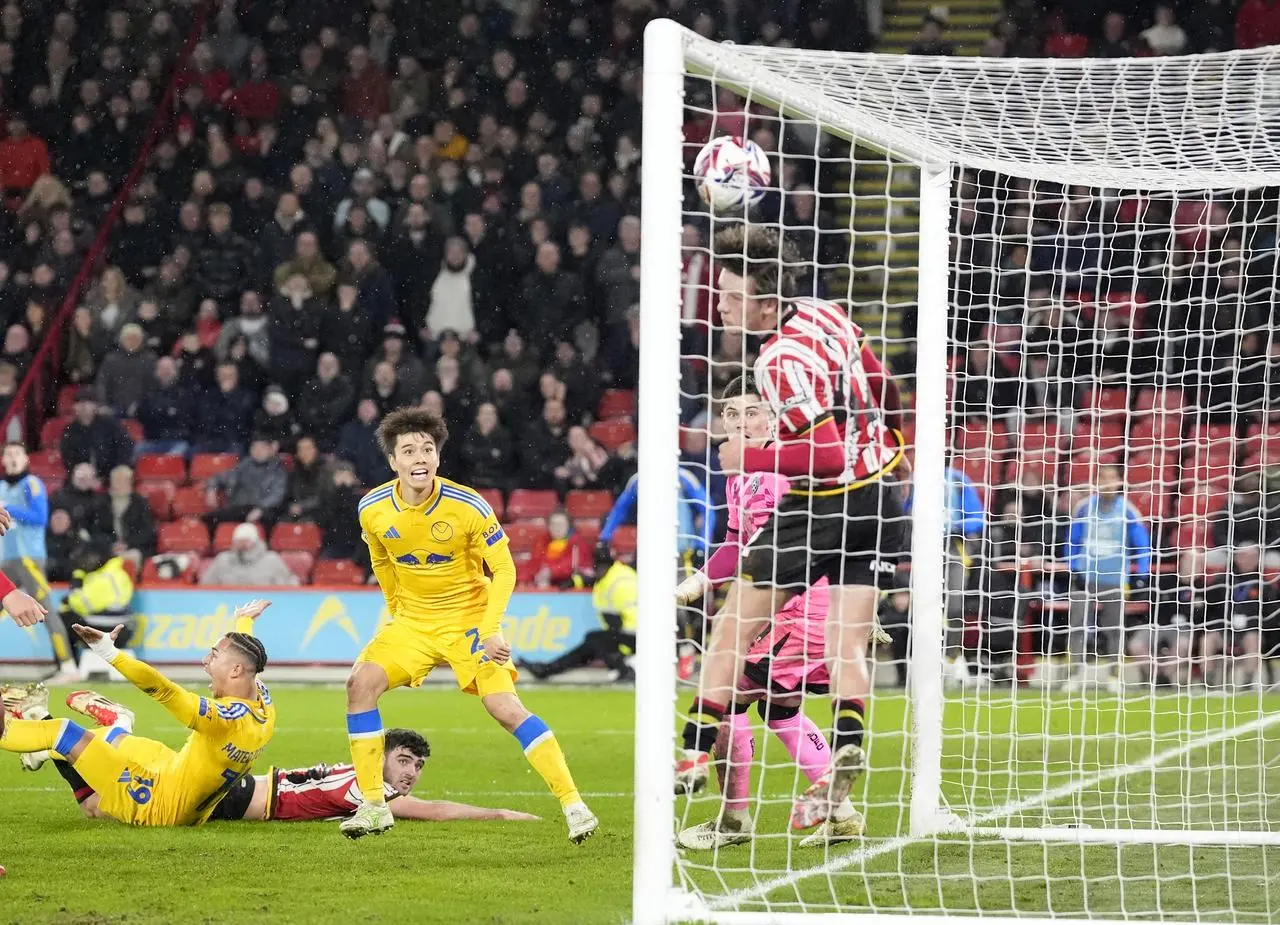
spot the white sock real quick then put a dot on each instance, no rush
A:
(844, 811)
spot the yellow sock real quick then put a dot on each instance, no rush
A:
(33, 735)
(364, 731)
(543, 752)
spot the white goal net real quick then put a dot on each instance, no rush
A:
(1069, 271)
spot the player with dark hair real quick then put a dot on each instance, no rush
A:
(842, 518)
(430, 540)
(144, 782)
(321, 792)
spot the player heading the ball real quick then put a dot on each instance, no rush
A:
(430, 539)
(842, 518)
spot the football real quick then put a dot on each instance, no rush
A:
(731, 173)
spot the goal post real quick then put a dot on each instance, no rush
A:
(983, 196)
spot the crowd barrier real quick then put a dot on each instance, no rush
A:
(303, 626)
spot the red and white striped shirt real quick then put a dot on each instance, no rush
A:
(813, 369)
(334, 796)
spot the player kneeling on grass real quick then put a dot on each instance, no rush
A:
(430, 540)
(142, 781)
(323, 792)
(787, 659)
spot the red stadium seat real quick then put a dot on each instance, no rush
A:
(531, 504)
(623, 543)
(46, 464)
(203, 465)
(1170, 399)
(159, 495)
(589, 530)
(1260, 441)
(188, 501)
(1066, 45)
(1039, 436)
(222, 536)
(300, 537)
(613, 434)
(1108, 401)
(584, 504)
(153, 466)
(525, 536)
(337, 572)
(1155, 429)
(186, 535)
(1200, 504)
(51, 432)
(493, 498)
(617, 404)
(300, 562)
(1104, 436)
(151, 577)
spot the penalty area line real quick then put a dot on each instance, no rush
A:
(859, 856)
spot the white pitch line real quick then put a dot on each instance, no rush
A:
(862, 855)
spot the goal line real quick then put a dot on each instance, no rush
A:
(982, 825)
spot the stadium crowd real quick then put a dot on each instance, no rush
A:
(351, 207)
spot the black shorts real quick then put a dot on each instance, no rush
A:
(236, 803)
(856, 536)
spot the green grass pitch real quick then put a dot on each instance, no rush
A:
(64, 869)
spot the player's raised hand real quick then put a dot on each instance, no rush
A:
(252, 609)
(91, 635)
(691, 590)
(25, 609)
(730, 454)
(497, 648)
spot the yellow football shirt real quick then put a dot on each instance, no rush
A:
(429, 558)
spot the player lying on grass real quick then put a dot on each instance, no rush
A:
(430, 540)
(142, 781)
(783, 662)
(320, 792)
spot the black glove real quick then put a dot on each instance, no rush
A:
(303, 775)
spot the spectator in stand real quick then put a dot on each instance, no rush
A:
(328, 401)
(1109, 552)
(587, 465)
(224, 414)
(310, 262)
(88, 507)
(252, 325)
(86, 345)
(278, 241)
(308, 482)
(618, 281)
(1258, 23)
(254, 490)
(346, 331)
(459, 394)
(358, 445)
(545, 446)
(451, 296)
(1251, 615)
(248, 562)
(133, 523)
(93, 438)
(167, 413)
(929, 41)
(363, 194)
(295, 334)
(60, 542)
(24, 158)
(563, 558)
(411, 374)
(1165, 36)
(337, 516)
(984, 389)
(374, 289)
(1114, 43)
(412, 256)
(554, 303)
(488, 457)
(276, 420)
(365, 91)
(16, 350)
(224, 264)
(112, 302)
(126, 373)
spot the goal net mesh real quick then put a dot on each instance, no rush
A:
(1110, 739)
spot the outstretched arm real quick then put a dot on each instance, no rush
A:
(445, 811)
